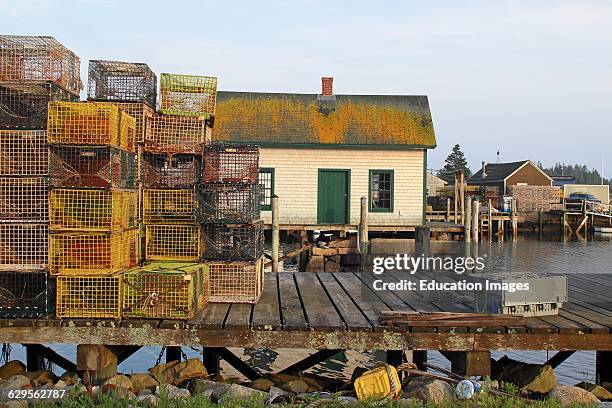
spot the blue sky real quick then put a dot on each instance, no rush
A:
(530, 79)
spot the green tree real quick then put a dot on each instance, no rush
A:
(455, 161)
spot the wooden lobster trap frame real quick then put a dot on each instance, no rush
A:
(231, 163)
(92, 253)
(230, 203)
(236, 282)
(23, 105)
(23, 153)
(118, 81)
(39, 58)
(163, 290)
(24, 199)
(89, 296)
(234, 242)
(173, 243)
(175, 134)
(188, 95)
(91, 167)
(171, 206)
(142, 113)
(24, 247)
(92, 210)
(24, 294)
(171, 171)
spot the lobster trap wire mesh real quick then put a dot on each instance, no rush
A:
(236, 282)
(118, 81)
(175, 134)
(188, 95)
(171, 206)
(23, 153)
(97, 297)
(92, 210)
(39, 58)
(173, 242)
(240, 242)
(231, 163)
(91, 167)
(230, 203)
(175, 171)
(24, 199)
(141, 112)
(23, 247)
(157, 292)
(24, 294)
(92, 253)
(23, 105)
(90, 123)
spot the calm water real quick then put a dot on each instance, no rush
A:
(527, 257)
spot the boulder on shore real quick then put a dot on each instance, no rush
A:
(600, 392)
(568, 394)
(533, 378)
(429, 390)
(176, 373)
(11, 368)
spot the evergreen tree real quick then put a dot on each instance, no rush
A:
(455, 161)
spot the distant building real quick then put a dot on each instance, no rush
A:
(502, 175)
(321, 153)
(563, 180)
(434, 184)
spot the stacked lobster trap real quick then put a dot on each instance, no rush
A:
(34, 70)
(234, 235)
(92, 206)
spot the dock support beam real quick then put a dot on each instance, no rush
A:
(603, 367)
(467, 228)
(275, 233)
(469, 363)
(363, 231)
(422, 241)
(310, 361)
(475, 215)
(514, 220)
(34, 359)
(211, 360)
(97, 362)
(173, 353)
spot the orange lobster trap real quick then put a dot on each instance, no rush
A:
(39, 58)
(236, 282)
(171, 206)
(118, 81)
(188, 95)
(173, 243)
(92, 210)
(163, 290)
(24, 199)
(90, 124)
(175, 134)
(23, 153)
(92, 253)
(89, 296)
(24, 247)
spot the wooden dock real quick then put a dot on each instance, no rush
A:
(338, 311)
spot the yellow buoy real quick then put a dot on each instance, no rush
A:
(381, 382)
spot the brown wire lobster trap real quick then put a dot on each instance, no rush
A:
(165, 291)
(230, 203)
(171, 206)
(24, 294)
(117, 81)
(24, 247)
(171, 171)
(231, 163)
(188, 95)
(175, 134)
(92, 210)
(24, 199)
(173, 243)
(92, 253)
(86, 296)
(39, 58)
(23, 105)
(142, 113)
(236, 282)
(91, 167)
(239, 242)
(90, 124)
(23, 153)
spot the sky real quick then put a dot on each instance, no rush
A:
(530, 79)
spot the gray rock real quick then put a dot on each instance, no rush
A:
(148, 399)
(172, 391)
(240, 391)
(15, 404)
(70, 378)
(429, 390)
(211, 388)
(568, 394)
(145, 391)
(600, 392)
(16, 382)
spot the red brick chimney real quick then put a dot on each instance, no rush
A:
(327, 87)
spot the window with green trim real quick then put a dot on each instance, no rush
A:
(381, 190)
(266, 184)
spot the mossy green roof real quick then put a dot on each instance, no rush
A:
(307, 119)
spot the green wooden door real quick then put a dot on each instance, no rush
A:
(333, 197)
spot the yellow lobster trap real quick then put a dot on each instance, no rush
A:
(173, 243)
(171, 206)
(165, 290)
(92, 210)
(92, 253)
(82, 296)
(90, 123)
(236, 282)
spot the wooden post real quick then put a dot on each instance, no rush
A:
(469, 363)
(34, 361)
(462, 195)
(422, 241)
(540, 223)
(363, 228)
(514, 220)
(456, 187)
(467, 229)
(490, 220)
(173, 353)
(275, 233)
(603, 367)
(211, 360)
(475, 218)
(448, 210)
(98, 363)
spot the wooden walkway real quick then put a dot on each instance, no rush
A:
(339, 311)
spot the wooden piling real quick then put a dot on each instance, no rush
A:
(462, 195)
(490, 221)
(363, 226)
(475, 218)
(275, 234)
(467, 230)
(514, 220)
(448, 210)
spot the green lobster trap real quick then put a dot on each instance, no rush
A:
(188, 95)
